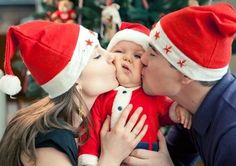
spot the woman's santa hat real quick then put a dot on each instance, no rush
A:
(197, 40)
(55, 54)
(133, 32)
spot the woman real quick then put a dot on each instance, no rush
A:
(68, 63)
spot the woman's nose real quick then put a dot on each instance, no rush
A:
(110, 57)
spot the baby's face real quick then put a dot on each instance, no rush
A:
(128, 63)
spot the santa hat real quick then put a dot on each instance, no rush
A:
(55, 54)
(133, 32)
(197, 40)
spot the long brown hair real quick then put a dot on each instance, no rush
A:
(42, 116)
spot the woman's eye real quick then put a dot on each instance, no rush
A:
(97, 57)
(137, 56)
(117, 51)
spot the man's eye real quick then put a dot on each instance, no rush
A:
(151, 54)
(97, 57)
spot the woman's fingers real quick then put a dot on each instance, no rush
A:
(105, 127)
(133, 120)
(133, 129)
(140, 135)
(136, 130)
(124, 116)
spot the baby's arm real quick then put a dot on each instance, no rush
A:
(89, 151)
(179, 114)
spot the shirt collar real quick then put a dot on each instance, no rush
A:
(206, 111)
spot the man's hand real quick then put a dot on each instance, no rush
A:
(141, 157)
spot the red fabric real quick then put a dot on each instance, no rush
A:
(156, 109)
(135, 27)
(37, 49)
(212, 26)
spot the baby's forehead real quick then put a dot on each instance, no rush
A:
(128, 43)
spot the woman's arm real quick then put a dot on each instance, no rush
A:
(49, 157)
(118, 143)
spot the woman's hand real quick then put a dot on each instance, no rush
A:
(118, 143)
(141, 157)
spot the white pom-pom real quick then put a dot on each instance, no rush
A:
(10, 85)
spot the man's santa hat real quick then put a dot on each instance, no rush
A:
(197, 40)
(55, 54)
(133, 32)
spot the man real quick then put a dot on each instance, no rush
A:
(189, 62)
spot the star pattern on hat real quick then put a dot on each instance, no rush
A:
(167, 49)
(89, 42)
(157, 35)
(181, 62)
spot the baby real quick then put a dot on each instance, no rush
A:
(128, 46)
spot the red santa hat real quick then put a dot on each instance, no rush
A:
(55, 54)
(197, 40)
(133, 32)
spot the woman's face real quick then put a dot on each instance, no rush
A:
(99, 75)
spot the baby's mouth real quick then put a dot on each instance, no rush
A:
(125, 67)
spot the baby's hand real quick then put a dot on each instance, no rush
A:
(183, 116)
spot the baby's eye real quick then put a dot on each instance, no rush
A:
(97, 57)
(137, 56)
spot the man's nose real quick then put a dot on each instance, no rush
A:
(144, 59)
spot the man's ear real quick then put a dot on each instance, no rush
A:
(186, 80)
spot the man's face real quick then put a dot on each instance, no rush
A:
(158, 76)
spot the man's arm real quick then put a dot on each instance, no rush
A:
(181, 147)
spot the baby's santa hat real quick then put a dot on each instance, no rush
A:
(133, 32)
(197, 40)
(55, 54)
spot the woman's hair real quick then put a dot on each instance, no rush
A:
(42, 116)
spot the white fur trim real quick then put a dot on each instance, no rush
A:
(64, 80)
(87, 159)
(190, 68)
(129, 35)
(121, 100)
(10, 84)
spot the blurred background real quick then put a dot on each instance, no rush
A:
(102, 16)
